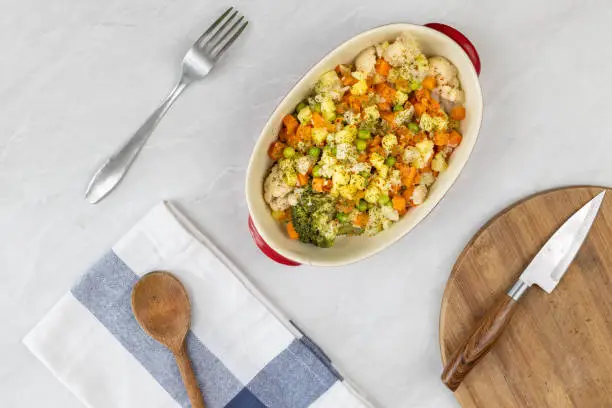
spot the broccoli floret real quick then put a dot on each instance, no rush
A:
(313, 217)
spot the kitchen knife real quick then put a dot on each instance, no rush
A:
(545, 270)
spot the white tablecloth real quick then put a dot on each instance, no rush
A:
(78, 76)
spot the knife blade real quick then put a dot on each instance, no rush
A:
(545, 270)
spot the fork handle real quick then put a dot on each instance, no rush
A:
(116, 166)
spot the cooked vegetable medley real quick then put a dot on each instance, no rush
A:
(367, 145)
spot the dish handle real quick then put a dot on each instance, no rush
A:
(266, 249)
(460, 39)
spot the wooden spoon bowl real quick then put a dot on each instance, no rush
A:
(161, 306)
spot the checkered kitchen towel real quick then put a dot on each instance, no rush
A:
(244, 353)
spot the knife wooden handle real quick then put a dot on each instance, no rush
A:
(488, 330)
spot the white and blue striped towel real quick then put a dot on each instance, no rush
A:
(244, 353)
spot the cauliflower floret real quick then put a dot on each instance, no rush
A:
(361, 167)
(289, 174)
(303, 164)
(452, 94)
(404, 116)
(276, 190)
(327, 164)
(371, 194)
(347, 192)
(329, 83)
(400, 98)
(389, 213)
(346, 135)
(304, 115)
(328, 109)
(380, 183)
(350, 117)
(427, 178)
(411, 155)
(358, 181)
(395, 178)
(340, 177)
(359, 88)
(377, 160)
(345, 151)
(444, 71)
(402, 51)
(433, 123)
(419, 194)
(439, 162)
(426, 151)
(375, 221)
(366, 60)
(389, 141)
(319, 135)
(371, 115)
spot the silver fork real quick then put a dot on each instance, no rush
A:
(197, 63)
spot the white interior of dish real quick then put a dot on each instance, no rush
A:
(347, 250)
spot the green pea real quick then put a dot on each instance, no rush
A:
(316, 171)
(397, 108)
(361, 145)
(362, 205)
(342, 217)
(364, 134)
(300, 106)
(289, 152)
(317, 107)
(365, 174)
(314, 152)
(413, 127)
(415, 85)
(334, 151)
(383, 199)
(390, 161)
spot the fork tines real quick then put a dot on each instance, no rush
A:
(216, 41)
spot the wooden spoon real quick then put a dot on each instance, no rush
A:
(161, 307)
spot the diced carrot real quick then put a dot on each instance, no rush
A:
(458, 112)
(345, 206)
(382, 67)
(282, 134)
(282, 215)
(389, 117)
(275, 151)
(362, 157)
(394, 190)
(386, 91)
(422, 94)
(399, 203)
(408, 175)
(317, 184)
(429, 83)
(291, 231)
(361, 220)
(304, 133)
(327, 185)
(302, 179)
(348, 80)
(359, 195)
(407, 194)
(290, 123)
(419, 109)
(318, 121)
(376, 141)
(384, 107)
(402, 84)
(441, 138)
(455, 139)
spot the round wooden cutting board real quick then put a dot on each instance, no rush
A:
(557, 350)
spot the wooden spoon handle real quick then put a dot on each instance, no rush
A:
(189, 378)
(488, 330)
